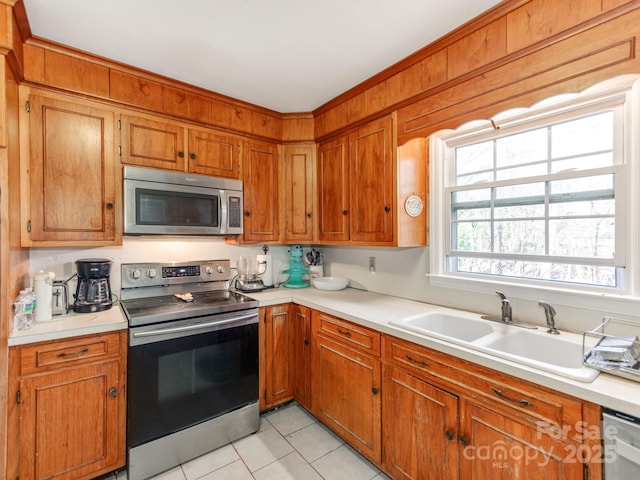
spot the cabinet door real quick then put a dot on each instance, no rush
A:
(372, 204)
(211, 153)
(333, 190)
(298, 193)
(347, 395)
(72, 173)
(302, 336)
(277, 365)
(420, 424)
(261, 187)
(72, 423)
(497, 447)
(151, 143)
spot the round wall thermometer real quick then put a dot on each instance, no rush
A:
(413, 206)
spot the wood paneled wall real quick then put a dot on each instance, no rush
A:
(513, 55)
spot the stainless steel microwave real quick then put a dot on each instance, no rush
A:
(159, 202)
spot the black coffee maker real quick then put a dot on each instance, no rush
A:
(93, 293)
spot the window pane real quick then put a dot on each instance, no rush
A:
(563, 272)
(525, 237)
(587, 237)
(572, 209)
(475, 178)
(480, 195)
(583, 184)
(588, 134)
(472, 214)
(472, 237)
(474, 158)
(525, 147)
(520, 211)
(520, 172)
(583, 163)
(521, 190)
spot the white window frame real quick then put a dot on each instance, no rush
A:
(623, 90)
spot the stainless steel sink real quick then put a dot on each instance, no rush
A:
(558, 354)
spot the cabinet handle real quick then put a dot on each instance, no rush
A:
(181, 154)
(113, 392)
(109, 206)
(345, 212)
(422, 363)
(522, 401)
(192, 156)
(309, 215)
(344, 332)
(463, 440)
(247, 213)
(449, 434)
(374, 390)
(73, 354)
(387, 208)
(306, 341)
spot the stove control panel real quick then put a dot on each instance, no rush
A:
(136, 275)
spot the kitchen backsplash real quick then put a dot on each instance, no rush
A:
(398, 271)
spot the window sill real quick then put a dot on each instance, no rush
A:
(607, 303)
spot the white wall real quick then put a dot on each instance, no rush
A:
(399, 272)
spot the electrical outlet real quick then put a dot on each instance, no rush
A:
(372, 264)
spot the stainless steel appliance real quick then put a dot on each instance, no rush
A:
(621, 445)
(193, 362)
(158, 202)
(93, 291)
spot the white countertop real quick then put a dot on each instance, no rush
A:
(371, 310)
(376, 310)
(71, 325)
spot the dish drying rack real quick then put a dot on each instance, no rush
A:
(616, 354)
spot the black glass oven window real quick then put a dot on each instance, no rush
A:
(155, 207)
(175, 384)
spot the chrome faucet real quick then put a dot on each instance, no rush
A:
(550, 313)
(506, 308)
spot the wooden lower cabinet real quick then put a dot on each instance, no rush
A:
(276, 334)
(302, 355)
(68, 420)
(347, 391)
(493, 445)
(420, 424)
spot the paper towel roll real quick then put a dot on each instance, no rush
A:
(266, 264)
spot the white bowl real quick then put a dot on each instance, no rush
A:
(330, 283)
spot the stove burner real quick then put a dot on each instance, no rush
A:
(148, 302)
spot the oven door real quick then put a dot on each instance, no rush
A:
(187, 372)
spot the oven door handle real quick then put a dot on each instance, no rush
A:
(187, 328)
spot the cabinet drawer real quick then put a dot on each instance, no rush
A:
(359, 337)
(43, 357)
(515, 398)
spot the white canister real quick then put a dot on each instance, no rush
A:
(316, 271)
(43, 288)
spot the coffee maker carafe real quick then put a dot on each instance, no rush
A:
(93, 292)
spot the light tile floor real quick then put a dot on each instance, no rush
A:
(290, 445)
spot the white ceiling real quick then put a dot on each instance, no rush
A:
(286, 55)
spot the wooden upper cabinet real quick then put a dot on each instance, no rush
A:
(371, 161)
(152, 143)
(333, 190)
(170, 145)
(356, 181)
(298, 165)
(214, 154)
(69, 187)
(260, 166)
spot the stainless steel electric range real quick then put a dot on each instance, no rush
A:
(193, 362)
